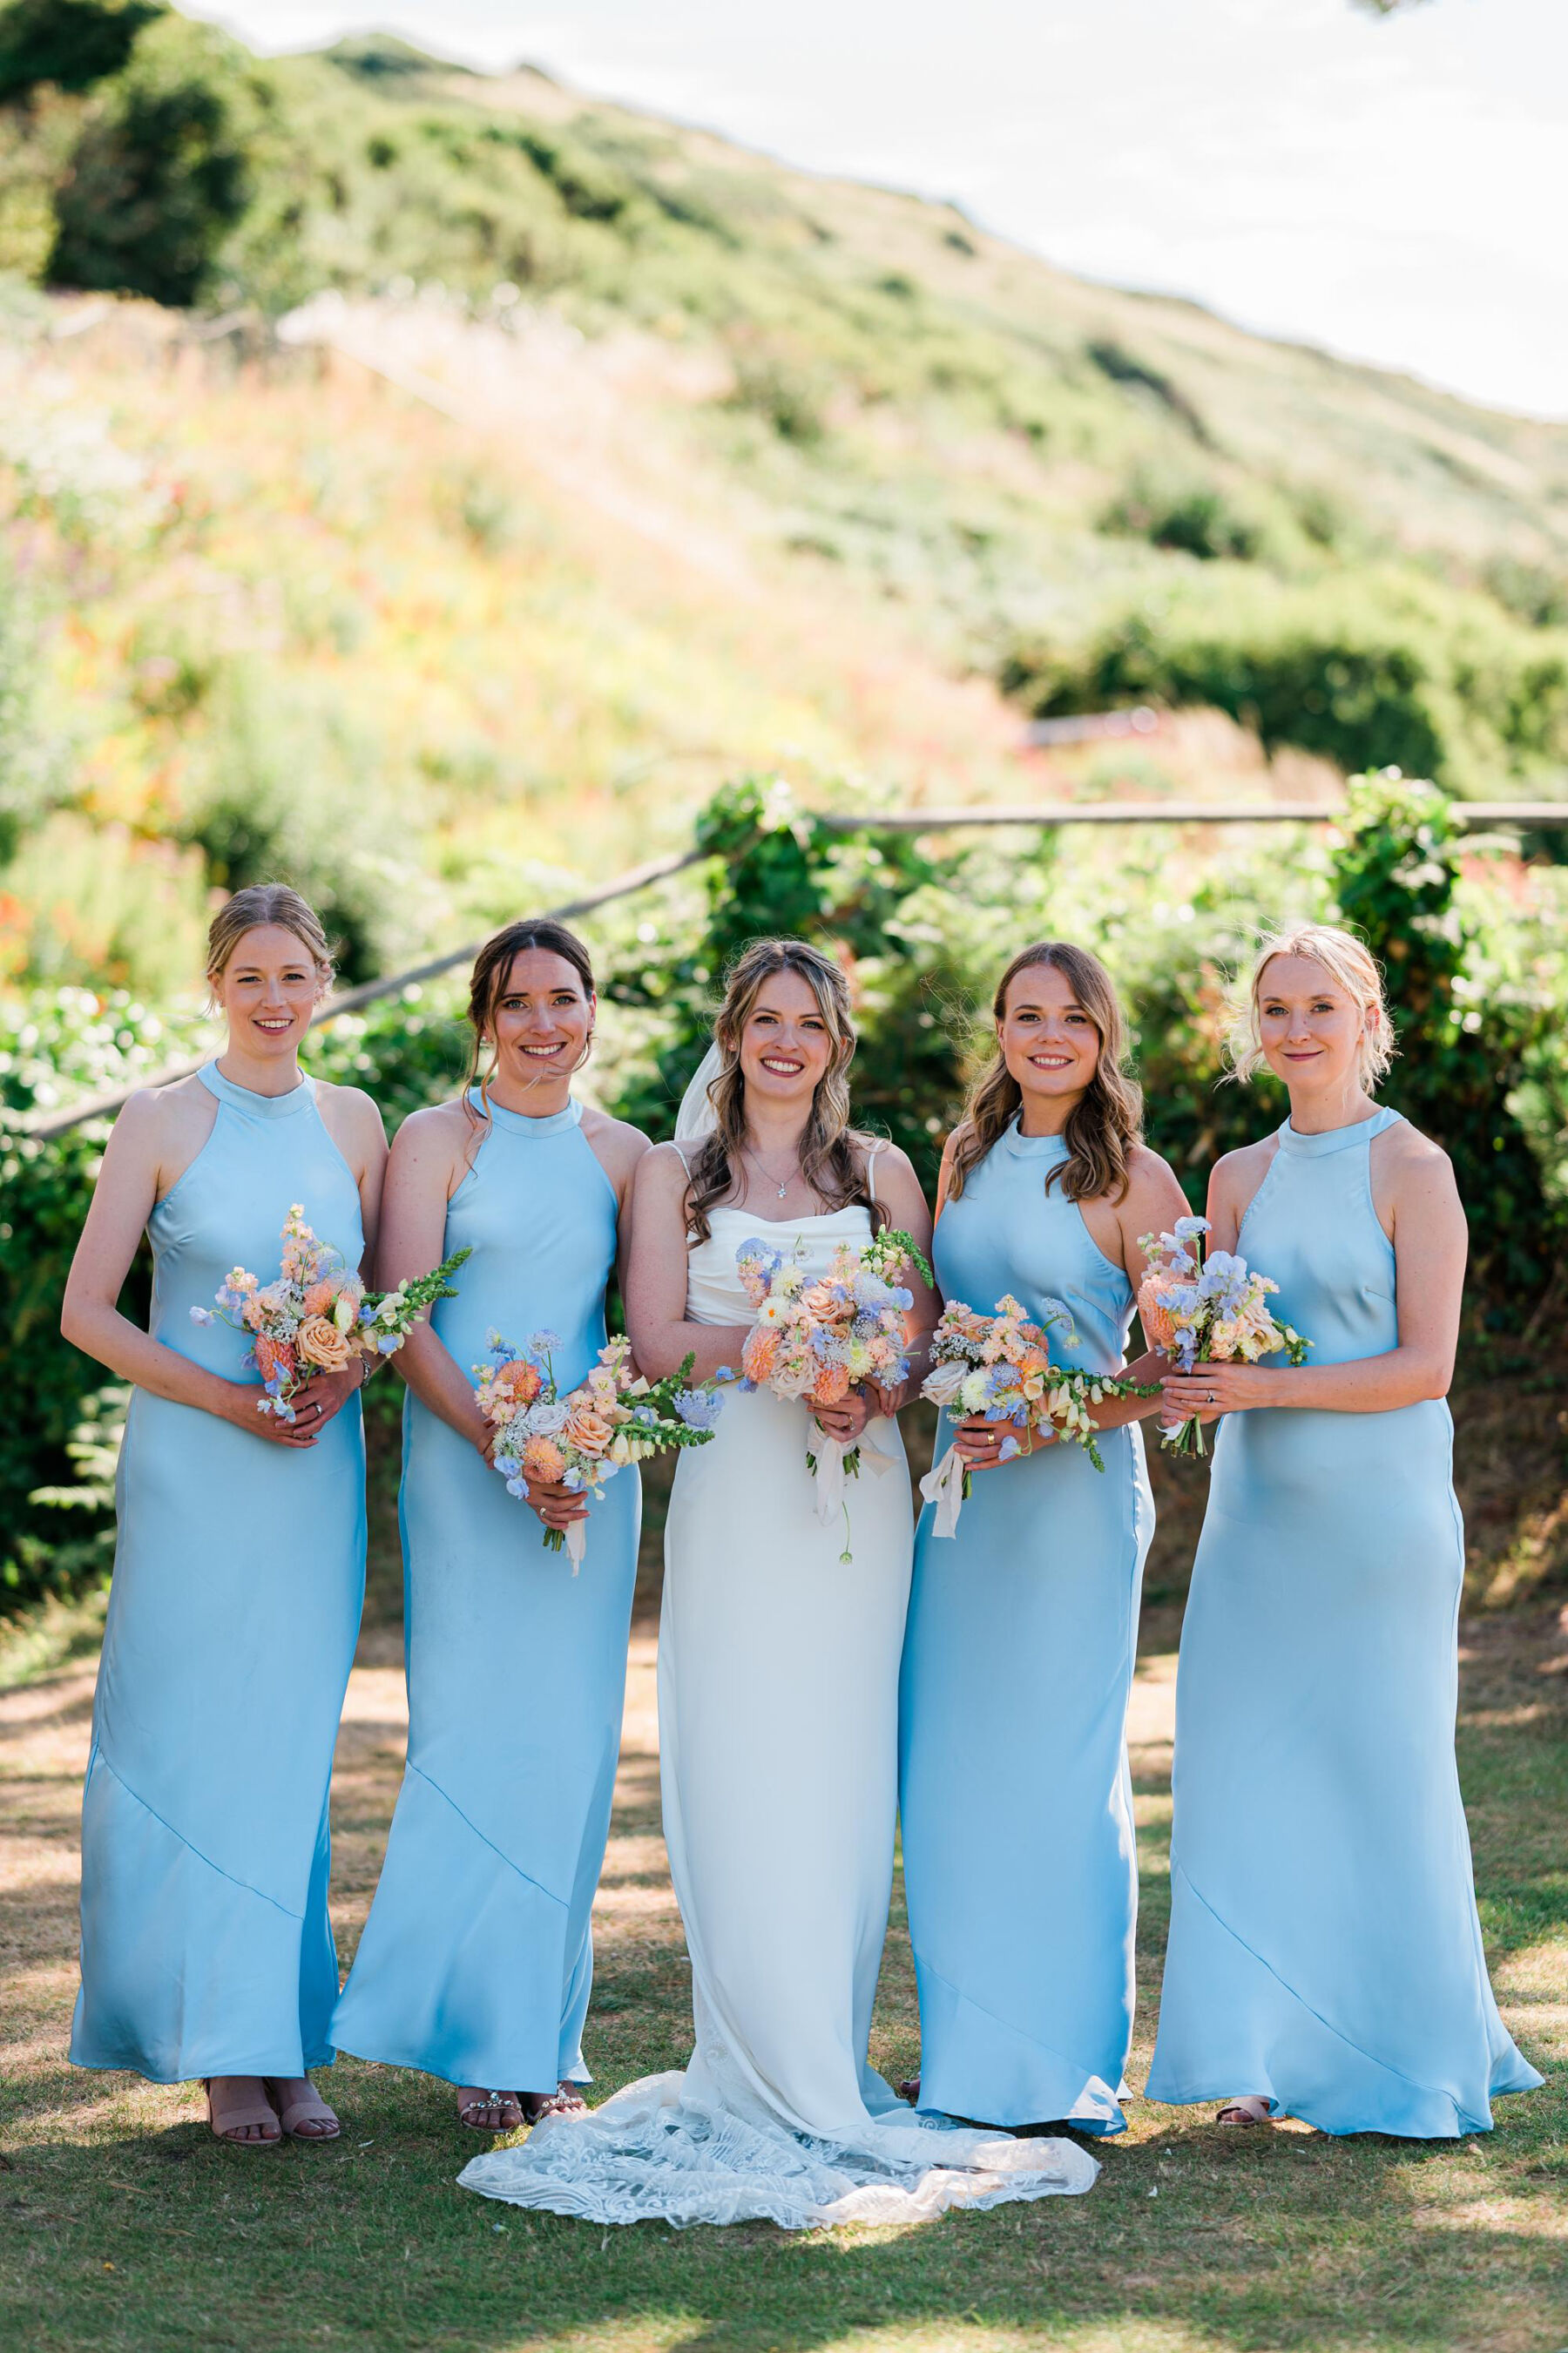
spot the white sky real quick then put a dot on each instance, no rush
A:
(1396, 190)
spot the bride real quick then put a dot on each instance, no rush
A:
(778, 1675)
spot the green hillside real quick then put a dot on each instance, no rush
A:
(628, 460)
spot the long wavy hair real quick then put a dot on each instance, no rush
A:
(1103, 1129)
(832, 1152)
(488, 981)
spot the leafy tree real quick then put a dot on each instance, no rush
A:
(164, 171)
(71, 43)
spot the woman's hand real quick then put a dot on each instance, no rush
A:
(556, 1505)
(1209, 1390)
(847, 1419)
(330, 1392)
(979, 1442)
(242, 1406)
(889, 1401)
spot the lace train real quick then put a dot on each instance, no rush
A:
(652, 2154)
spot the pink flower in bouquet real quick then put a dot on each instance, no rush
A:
(274, 1359)
(543, 1461)
(586, 1427)
(320, 1343)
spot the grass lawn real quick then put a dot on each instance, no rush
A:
(123, 2224)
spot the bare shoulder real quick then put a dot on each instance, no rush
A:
(357, 1113)
(1235, 1175)
(661, 1174)
(439, 1131)
(161, 1121)
(891, 1159)
(617, 1142)
(1413, 1164)
(1150, 1176)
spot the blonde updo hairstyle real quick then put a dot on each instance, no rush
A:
(832, 1152)
(1347, 961)
(268, 903)
(1104, 1130)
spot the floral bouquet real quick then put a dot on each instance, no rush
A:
(1000, 1368)
(315, 1315)
(580, 1441)
(819, 1340)
(1201, 1307)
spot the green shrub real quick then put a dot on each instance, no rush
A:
(1369, 670)
(71, 43)
(164, 172)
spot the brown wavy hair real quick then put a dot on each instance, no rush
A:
(488, 979)
(832, 1152)
(1103, 1129)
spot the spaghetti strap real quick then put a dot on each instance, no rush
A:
(684, 1162)
(871, 1170)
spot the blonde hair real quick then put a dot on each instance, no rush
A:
(267, 902)
(831, 1150)
(1345, 959)
(1103, 1129)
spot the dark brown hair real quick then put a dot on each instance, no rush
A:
(1101, 1130)
(832, 1152)
(488, 978)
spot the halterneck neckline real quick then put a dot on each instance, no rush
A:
(1334, 1139)
(1032, 1147)
(256, 1106)
(526, 1124)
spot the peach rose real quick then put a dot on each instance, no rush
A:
(320, 1342)
(274, 1358)
(587, 1430)
(542, 1460)
(823, 1304)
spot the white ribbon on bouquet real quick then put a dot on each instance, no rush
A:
(831, 1478)
(944, 1486)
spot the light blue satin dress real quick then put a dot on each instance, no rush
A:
(477, 1958)
(206, 1947)
(1324, 1946)
(1020, 1863)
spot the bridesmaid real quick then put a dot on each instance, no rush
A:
(1023, 1625)
(476, 1961)
(1325, 1957)
(206, 1950)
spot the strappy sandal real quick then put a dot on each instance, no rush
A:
(566, 2100)
(305, 2115)
(232, 2125)
(475, 2113)
(1252, 2110)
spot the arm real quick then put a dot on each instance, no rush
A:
(906, 1207)
(1430, 1245)
(127, 1191)
(661, 1337)
(425, 1167)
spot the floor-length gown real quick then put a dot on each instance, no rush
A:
(477, 1960)
(778, 1692)
(1325, 1950)
(1018, 1660)
(206, 1948)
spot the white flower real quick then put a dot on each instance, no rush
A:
(944, 1381)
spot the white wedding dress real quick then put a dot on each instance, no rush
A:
(778, 1683)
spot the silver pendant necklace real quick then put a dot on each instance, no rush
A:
(768, 1171)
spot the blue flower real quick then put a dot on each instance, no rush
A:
(699, 1409)
(644, 1413)
(1186, 1229)
(749, 1388)
(200, 1315)
(1008, 1448)
(725, 1373)
(387, 1344)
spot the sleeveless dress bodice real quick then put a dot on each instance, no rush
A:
(1325, 1951)
(1022, 1634)
(714, 1292)
(477, 1960)
(238, 1578)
